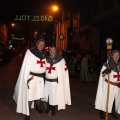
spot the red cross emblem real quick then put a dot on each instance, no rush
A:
(66, 68)
(117, 76)
(41, 62)
(50, 68)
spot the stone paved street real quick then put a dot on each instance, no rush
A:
(82, 94)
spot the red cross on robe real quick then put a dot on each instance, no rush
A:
(66, 68)
(41, 62)
(50, 68)
(117, 76)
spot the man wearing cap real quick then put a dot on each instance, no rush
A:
(57, 89)
(30, 83)
(113, 69)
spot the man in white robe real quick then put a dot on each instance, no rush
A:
(114, 91)
(57, 88)
(30, 83)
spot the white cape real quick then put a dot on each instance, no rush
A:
(101, 96)
(63, 97)
(21, 92)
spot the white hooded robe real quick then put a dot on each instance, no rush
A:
(61, 89)
(114, 93)
(22, 94)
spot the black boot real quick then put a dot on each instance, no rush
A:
(29, 104)
(102, 115)
(114, 115)
(38, 108)
(48, 109)
(53, 110)
(113, 111)
(27, 117)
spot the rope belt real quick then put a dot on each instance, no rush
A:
(52, 80)
(112, 83)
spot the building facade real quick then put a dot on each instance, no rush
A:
(3, 35)
(92, 22)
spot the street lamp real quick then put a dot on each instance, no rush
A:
(10, 34)
(55, 8)
(60, 30)
(12, 24)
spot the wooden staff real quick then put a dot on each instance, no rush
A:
(109, 46)
(108, 89)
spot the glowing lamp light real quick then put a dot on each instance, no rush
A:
(13, 24)
(55, 8)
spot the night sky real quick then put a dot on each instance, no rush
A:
(32, 7)
(9, 10)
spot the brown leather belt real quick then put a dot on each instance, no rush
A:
(112, 83)
(34, 74)
(52, 80)
(37, 74)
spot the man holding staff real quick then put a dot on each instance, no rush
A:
(108, 92)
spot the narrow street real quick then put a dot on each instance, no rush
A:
(82, 94)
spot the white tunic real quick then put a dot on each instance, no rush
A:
(22, 94)
(51, 87)
(58, 93)
(114, 92)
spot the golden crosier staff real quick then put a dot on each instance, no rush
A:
(109, 42)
